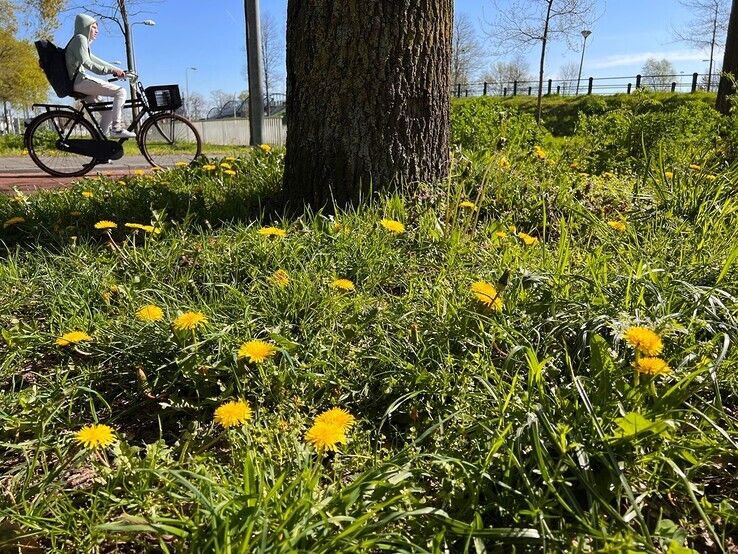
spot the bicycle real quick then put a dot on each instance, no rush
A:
(64, 143)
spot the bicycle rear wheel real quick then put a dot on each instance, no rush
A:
(168, 140)
(47, 130)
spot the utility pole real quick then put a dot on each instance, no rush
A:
(131, 60)
(712, 46)
(256, 71)
(730, 63)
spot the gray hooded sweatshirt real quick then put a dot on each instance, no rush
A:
(78, 54)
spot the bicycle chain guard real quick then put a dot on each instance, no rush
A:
(98, 149)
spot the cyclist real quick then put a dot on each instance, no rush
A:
(79, 59)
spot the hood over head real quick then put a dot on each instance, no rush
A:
(82, 24)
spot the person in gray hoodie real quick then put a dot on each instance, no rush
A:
(80, 60)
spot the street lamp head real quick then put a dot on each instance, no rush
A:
(149, 22)
(586, 33)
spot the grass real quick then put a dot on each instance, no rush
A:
(520, 429)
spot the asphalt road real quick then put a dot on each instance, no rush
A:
(20, 173)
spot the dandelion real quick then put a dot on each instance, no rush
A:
(95, 436)
(189, 321)
(74, 337)
(695, 167)
(14, 221)
(272, 232)
(619, 226)
(343, 284)
(500, 234)
(87, 194)
(150, 312)
(230, 414)
(105, 224)
(265, 148)
(181, 164)
(281, 278)
(133, 226)
(151, 229)
(539, 152)
(503, 163)
(230, 159)
(669, 174)
(210, 167)
(139, 172)
(652, 366)
(711, 178)
(466, 204)
(527, 239)
(256, 351)
(488, 295)
(229, 172)
(338, 417)
(225, 165)
(325, 436)
(393, 226)
(644, 340)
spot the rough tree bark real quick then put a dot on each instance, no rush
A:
(730, 63)
(367, 96)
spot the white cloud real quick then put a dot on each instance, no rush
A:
(639, 58)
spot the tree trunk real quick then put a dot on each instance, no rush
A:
(730, 63)
(367, 97)
(544, 41)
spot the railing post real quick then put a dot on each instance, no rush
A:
(515, 88)
(504, 91)
(530, 91)
(550, 84)
(485, 89)
(694, 82)
(589, 88)
(638, 81)
(458, 90)
(558, 90)
(629, 85)
(466, 93)
(673, 86)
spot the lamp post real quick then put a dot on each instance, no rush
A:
(130, 56)
(585, 34)
(187, 91)
(255, 71)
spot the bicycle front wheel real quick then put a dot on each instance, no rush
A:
(47, 131)
(168, 140)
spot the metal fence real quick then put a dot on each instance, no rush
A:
(591, 85)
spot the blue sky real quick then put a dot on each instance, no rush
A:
(210, 36)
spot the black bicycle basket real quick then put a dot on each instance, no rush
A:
(163, 97)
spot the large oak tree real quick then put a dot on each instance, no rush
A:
(367, 96)
(730, 62)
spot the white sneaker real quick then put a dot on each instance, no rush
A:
(120, 134)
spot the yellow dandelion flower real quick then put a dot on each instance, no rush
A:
(539, 152)
(393, 226)
(466, 204)
(338, 417)
(265, 148)
(695, 167)
(343, 284)
(210, 167)
(272, 232)
(225, 165)
(711, 177)
(256, 351)
(230, 414)
(181, 164)
(14, 221)
(230, 159)
(189, 321)
(87, 194)
(527, 239)
(668, 174)
(503, 163)
(644, 340)
(133, 225)
(139, 172)
(229, 172)
(74, 337)
(105, 224)
(325, 436)
(95, 436)
(617, 225)
(150, 312)
(281, 278)
(500, 234)
(151, 229)
(652, 366)
(488, 295)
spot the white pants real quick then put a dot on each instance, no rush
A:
(95, 90)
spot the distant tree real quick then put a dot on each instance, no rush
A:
(368, 102)
(503, 74)
(705, 28)
(522, 23)
(196, 106)
(272, 51)
(658, 74)
(21, 80)
(730, 63)
(568, 74)
(466, 50)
